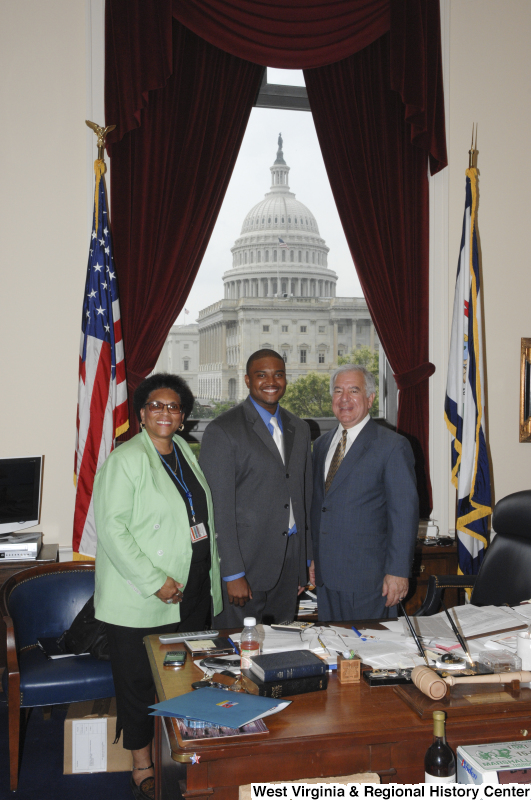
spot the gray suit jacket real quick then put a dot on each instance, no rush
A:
(367, 524)
(251, 489)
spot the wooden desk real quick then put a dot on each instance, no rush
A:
(346, 729)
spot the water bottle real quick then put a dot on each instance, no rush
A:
(250, 642)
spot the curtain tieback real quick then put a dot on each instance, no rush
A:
(412, 377)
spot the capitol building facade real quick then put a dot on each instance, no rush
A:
(279, 293)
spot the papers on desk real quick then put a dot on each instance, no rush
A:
(307, 603)
(471, 621)
(395, 647)
(272, 641)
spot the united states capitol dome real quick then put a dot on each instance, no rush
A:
(280, 249)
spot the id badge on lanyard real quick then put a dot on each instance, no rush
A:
(198, 532)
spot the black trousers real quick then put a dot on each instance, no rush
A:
(133, 682)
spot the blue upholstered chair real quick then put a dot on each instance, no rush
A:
(38, 602)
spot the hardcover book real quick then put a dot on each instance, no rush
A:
(291, 664)
(283, 688)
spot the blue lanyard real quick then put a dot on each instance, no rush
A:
(181, 482)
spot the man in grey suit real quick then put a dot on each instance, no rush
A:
(365, 507)
(256, 459)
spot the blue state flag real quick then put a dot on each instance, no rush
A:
(465, 397)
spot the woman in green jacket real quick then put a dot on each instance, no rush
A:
(157, 565)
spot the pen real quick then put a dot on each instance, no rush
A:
(356, 631)
(457, 634)
(422, 652)
(232, 643)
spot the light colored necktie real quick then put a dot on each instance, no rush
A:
(277, 436)
(338, 457)
(279, 441)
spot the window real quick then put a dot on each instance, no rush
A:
(265, 328)
(186, 346)
(322, 329)
(285, 328)
(321, 358)
(259, 256)
(285, 356)
(302, 356)
(291, 255)
(274, 255)
(186, 365)
(283, 255)
(340, 328)
(303, 328)
(340, 352)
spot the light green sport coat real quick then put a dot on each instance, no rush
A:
(144, 535)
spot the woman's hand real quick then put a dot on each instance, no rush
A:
(170, 592)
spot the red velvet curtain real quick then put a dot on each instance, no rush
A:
(289, 34)
(168, 180)
(375, 143)
(380, 185)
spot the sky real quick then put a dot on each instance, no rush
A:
(251, 180)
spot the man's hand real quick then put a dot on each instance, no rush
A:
(170, 592)
(394, 589)
(239, 591)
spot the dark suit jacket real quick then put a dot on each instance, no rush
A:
(251, 489)
(367, 524)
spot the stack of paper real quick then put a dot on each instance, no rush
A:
(307, 603)
(272, 641)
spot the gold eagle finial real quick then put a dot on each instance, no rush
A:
(101, 133)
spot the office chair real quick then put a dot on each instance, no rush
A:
(505, 573)
(38, 602)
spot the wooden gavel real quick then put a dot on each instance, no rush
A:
(436, 687)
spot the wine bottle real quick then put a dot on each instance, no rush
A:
(439, 761)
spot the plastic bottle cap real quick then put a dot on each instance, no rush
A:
(249, 622)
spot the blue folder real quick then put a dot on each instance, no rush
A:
(219, 707)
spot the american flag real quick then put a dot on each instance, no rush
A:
(102, 412)
(282, 243)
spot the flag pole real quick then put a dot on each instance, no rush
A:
(473, 152)
(102, 410)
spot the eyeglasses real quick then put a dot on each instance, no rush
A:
(155, 407)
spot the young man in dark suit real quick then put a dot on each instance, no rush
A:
(256, 458)
(365, 508)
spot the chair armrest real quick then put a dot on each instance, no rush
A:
(11, 650)
(436, 586)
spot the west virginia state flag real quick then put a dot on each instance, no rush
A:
(465, 401)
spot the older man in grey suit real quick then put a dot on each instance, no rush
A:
(365, 507)
(256, 458)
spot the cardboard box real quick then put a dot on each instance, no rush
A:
(90, 730)
(503, 762)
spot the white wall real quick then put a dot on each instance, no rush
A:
(490, 83)
(44, 231)
(44, 241)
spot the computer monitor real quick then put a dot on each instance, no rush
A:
(20, 493)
